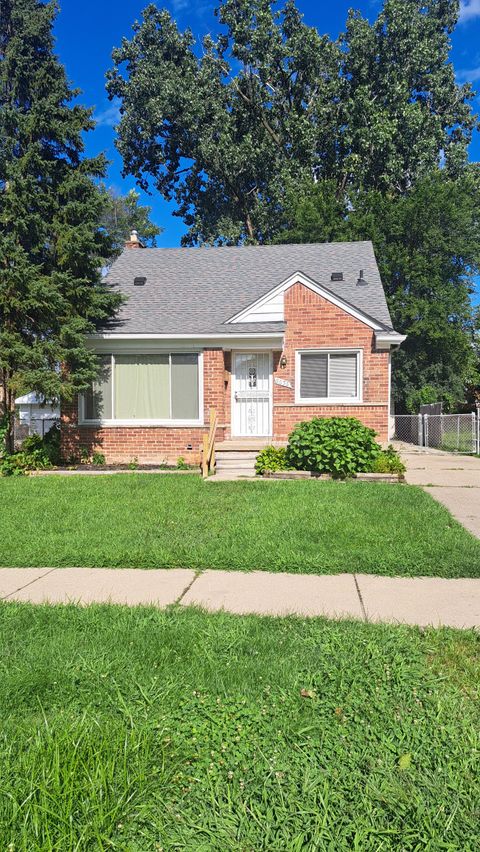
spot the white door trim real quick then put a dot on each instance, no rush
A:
(270, 391)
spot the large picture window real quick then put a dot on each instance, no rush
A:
(163, 387)
(328, 376)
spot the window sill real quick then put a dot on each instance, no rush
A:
(154, 424)
(332, 401)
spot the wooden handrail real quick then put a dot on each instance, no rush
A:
(208, 455)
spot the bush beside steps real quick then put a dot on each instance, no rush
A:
(331, 448)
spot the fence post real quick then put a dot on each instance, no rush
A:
(474, 433)
(420, 431)
(425, 430)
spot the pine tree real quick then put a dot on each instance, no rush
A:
(122, 214)
(51, 245)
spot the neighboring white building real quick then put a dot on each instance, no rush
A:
(34, 414)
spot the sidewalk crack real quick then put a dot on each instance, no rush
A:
(187, 588)
(362, 605)
(30, 583)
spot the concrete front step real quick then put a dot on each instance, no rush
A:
(235, 464)
(245, 445)
(238, 457)
(236, 454)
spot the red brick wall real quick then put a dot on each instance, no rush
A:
(314, 322)
(149, 443)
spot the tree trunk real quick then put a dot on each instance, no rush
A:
(7, 411)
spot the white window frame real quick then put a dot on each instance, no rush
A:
(329, 400)
(144, 422)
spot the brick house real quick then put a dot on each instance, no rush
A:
(266, 335)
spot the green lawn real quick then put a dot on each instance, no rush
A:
(138, 730)
(179, 521)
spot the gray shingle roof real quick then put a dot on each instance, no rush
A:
(197, 290)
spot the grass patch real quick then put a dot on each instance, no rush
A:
(179, 521)
(134, 729)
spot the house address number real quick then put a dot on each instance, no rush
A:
(284, 383)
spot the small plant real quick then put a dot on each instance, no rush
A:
(34, 454)
(133, 464)
(84, 456)
(388, 461)
(182, 464)
(271, 459)
(341, 446)
(98, 459)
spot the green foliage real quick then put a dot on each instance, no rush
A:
(131, 728)
(51, 244)
(98, 459)
(341, 446)
(33, 455)
(229, 129)
(271, 459)
(133, 464)
(388, 461)
(51, 444)
(182, 464)
(121, 214)
(178, 521)
(427, 244)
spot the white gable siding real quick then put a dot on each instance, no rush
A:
(268, 310)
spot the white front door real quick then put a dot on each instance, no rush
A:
(252, 394)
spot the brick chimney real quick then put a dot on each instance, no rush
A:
(134, 242)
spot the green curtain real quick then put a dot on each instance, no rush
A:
(185, 387)
(142, 387)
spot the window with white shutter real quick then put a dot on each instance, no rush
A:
(328, 376)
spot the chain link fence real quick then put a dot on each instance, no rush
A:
(457, 433)
(34, 426)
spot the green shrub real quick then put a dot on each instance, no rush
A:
(182, 464)
(35, 453)
(51, 444)
(19, 463)
(271, 459)
(99, 459)
(341, 446)
(388, 461)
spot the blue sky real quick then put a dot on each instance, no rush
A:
(86, 32)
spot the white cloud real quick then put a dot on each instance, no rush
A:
(469, 9)
(468, 75)
(180, 5)
(110, 116)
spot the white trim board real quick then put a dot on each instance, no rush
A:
(267, 308)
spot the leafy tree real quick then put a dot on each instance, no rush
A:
(121, 214)
(427, 244)
(51, 245)
(271, 103)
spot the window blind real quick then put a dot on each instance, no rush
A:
(343, 376)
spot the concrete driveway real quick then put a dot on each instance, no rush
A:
(452, 479)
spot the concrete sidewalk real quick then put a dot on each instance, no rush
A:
(419, 601)
(450, 478)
